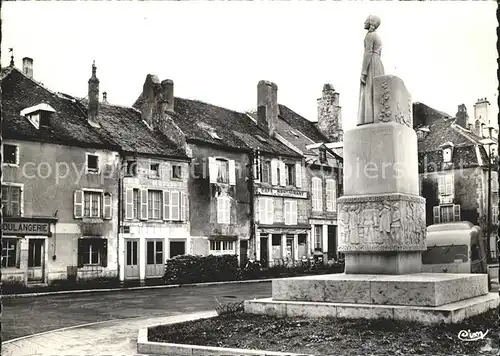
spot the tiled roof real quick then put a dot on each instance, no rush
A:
(68, 125)
(234, 130)
(424, 115)
(300, 123)
(441, 131)
(125, 126)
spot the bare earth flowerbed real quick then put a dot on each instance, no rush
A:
(327, 336)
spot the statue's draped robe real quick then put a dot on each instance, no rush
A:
(372, 67)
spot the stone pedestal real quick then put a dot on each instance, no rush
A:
(382, 233)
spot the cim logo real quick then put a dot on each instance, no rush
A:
(467, 335)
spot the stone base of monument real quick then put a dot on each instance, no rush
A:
(423, 297)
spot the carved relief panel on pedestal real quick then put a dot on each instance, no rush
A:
(382, 223)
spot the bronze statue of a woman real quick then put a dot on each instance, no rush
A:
(372, 67)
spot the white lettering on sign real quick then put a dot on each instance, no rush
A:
(282, 192)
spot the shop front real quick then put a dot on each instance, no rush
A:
(25, 249)
(283, 245)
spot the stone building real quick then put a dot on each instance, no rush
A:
(59, 188)
(221, 144)
(153, 189)
(454, 156)
(321, 174)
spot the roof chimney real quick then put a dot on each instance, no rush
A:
(105, 98)
(462, 117)
(329, 114)
(167, 88)
(267, 106)
(93, 107)
(28, 67)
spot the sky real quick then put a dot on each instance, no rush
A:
(216, 52)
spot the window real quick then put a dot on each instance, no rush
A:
(445, 254)
(290, 212)
(11, 200)
(445, 184)
(45, 118)
(223, 210)
(318, 236)
(92, 252)
(35, 252)
(322, 154)
(317, 194)
(136, 207)
(447, 155)
(278, 174)
(222, 247)
(494, 215)
(266, 172)
(92, 163)
(176, 172)
(154, 170)
(91, 204)
(9, 252)
(132, 168)
(494, 184)
(222, 171)
(154, 204)
(331, 195)
(154, 253)
(290, 174)
(10, 154)
(266, 210)
(446, 213)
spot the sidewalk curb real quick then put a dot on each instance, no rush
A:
(163, 286)
(189, 315)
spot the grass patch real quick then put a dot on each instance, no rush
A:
(330, 336)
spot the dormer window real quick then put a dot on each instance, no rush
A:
(38, 115)
(447, 151)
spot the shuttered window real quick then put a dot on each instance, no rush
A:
(290, 212)
(223, 210)
(317, 194)
(331, 195)
(445, 184)
(446, 213)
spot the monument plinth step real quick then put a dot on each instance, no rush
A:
(419, 289)
(448, 313)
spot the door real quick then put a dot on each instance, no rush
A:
(302, 246)
(243, 253)
(264, 251)
(131, 259)
(290, 253)
(36, 259)
(177, 248)
(154, 258)
(332, 242)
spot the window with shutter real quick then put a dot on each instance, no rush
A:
(144, 204)
(287, 212)
(317, 198)
(494, 215)
(129, 203)
(282, 173)
(441, 185)
(329, 201)
(166, 205)
(212, 169)
(232, 172)
(107, 206)
(262, 210)
(223, 210)
(298, 175)
(270, 210)
(183, 206)
(175, 206)
(274, 172)
(293, 213)
(449, 184)
(256, 167)
(78, 204)
(436, 214)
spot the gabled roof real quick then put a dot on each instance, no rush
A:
(199, 122)
(125, 126)
(301, 124)
(68, 125)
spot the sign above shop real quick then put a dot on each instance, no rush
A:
(25, 228)
(302, 194)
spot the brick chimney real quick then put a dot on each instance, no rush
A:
(93, 96)
(267, 106)
(151, 90)
(330, 114)
(28, 67)
(462, 117)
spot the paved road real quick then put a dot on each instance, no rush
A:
(30, 315)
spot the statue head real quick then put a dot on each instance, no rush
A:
(372, 23)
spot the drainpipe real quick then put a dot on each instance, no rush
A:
(253, 236)
(120, 184)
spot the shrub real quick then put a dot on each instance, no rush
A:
(193, 269)
(229, 308)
